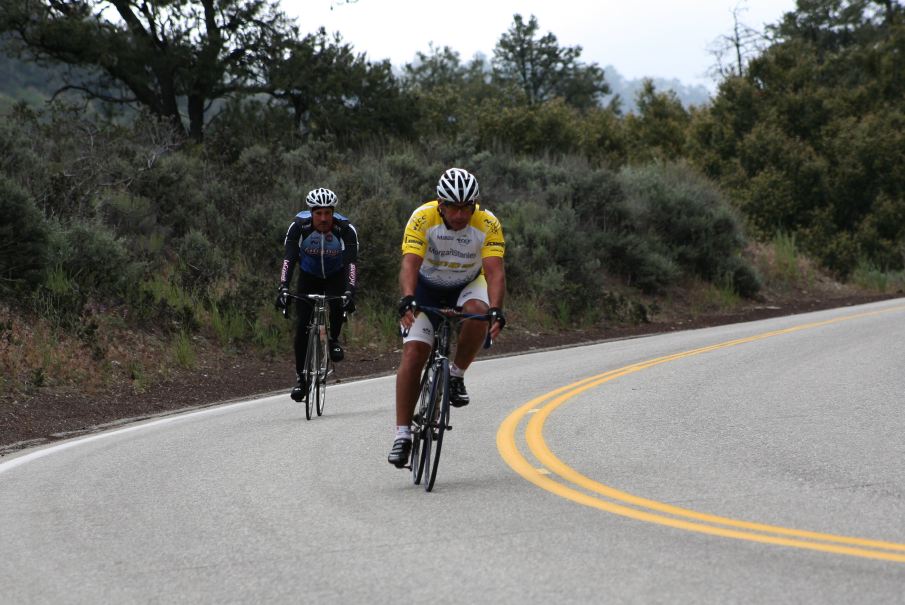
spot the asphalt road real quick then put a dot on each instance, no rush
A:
(751, 463)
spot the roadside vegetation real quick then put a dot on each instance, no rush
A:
(133, 244)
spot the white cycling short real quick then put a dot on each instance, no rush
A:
(423, 330)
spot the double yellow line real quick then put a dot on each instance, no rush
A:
(556, 477)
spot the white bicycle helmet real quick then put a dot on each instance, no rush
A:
(321, 198)
(457, 186)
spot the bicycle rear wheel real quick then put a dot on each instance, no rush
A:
(439, 417)
(322, 372)
(311, 366)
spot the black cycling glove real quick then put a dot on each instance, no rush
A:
(349, 305)
(406, 304)
(282, 300)
(496, 315)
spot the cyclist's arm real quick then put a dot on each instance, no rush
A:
(408, 274)
(495, 274)
(408, 280)
(290, 254)
(350, 257)
(350, 244)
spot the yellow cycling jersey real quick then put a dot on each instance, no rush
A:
(452, 258)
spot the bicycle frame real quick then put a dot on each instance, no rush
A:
(317, 357)
(432, 417)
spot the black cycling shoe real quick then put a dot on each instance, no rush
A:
(299, 390)
(336, 351)
(399, 455)
(458, 396)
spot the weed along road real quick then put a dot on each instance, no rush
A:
(750, 463)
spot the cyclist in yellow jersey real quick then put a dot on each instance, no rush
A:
(452, 256)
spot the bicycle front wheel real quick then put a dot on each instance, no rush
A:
(439, 418)
(420, 447)
(311, 367)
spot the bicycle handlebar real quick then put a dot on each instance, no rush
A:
(453, 313)
(310, 298)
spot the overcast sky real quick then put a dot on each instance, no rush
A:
(656, 38)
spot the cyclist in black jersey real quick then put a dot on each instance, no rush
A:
(324, 244)
(452, 256)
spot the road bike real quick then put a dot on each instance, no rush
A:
(431, 419)
(318, 365)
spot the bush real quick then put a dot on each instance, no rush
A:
(94, 259)
(686, 220)
(23, 240)
(201, 263)
(175, 185)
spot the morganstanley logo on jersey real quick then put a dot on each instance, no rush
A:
(317, 251)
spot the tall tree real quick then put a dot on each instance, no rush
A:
(150, 53)
(543, 69)
(333, 89)
(733, 51)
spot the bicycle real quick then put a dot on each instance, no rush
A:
(431, 419)
(318, 364)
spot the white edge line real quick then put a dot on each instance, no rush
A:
(177, 417)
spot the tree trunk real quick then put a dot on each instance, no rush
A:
(196, 117)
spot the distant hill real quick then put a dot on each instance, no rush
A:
(21, 81)
(628, 89)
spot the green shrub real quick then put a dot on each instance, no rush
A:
(201, 263)
(95, 259)
(684, 218)
(175, 185)
(24, 236)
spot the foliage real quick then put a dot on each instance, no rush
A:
(331, 89)
(658, 131)
(543, 70)
(24, 238)
(151, 54)
(809, 140)
(689, 223)
(94, 258)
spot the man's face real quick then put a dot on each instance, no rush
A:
(322, 218)
(456, 216)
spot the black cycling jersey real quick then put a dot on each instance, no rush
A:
(320, 255)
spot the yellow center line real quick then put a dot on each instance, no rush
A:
(541, 407)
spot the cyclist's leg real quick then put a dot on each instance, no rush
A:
(472, 299)
(416, 347)
(303, 310)
(408, 377)
(335, 286)
(408, 386)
